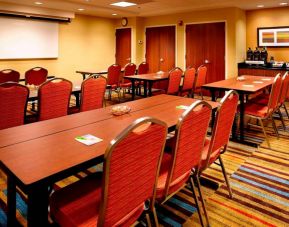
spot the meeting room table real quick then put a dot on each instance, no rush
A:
(35, 156)
(87, 73)
(244, 85)
(148, 80)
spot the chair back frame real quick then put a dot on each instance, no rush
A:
(114, 80)
(35, 69)
(7, 73)
(191, 86)
(51, 81)
(200, 81)
(141, 65)
(171, 76)
(274, 95)
(181, 119)
(108, 155)
(284, 89)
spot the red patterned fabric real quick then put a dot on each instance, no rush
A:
(7, 75)
(36, 76)
(224, 121)
(213, 157)
(129, 70)
(175, 77)
(92, 93)
(12, 104)
(191, 133)
(256, 109)
(143, 68)
(201, 76)
(189, 79)
(113, 75)
(54, 96)
(284, 88)
(274, 94)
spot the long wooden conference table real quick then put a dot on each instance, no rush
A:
(37, 155)
(250, 85)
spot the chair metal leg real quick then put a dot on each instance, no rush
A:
(202, 199)
(196, 201)
(264, 131)
(275, 127)
(226, 177)
(148, 220)
(286, 110)
(282, 119)
(155, 217)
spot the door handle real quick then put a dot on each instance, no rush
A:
(128, 59)
(207, 61)
(162, 60)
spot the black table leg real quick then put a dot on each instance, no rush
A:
(150, 88)
(38, 206)
(133, 89)
(11, 202)
(145, 88)
(77, 99)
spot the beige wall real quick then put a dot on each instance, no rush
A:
(267, 18)
(87, 43)
(235, 33)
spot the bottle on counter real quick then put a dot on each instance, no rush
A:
(256, 54)
(264, 55)
(250, 54)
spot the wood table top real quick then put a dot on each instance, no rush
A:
(37, 159)
(250, 84)
(149, 76)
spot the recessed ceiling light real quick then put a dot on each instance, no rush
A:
(123, 4)
(260, 6)
(80, 9)
(283, 3)
(114, 14)
(38, 3)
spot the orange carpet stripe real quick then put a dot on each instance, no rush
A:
(243, 213)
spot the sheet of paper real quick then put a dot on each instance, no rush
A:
(88, 139)
(182, 107)
(266, 79)
(248, 85)
(258, 82)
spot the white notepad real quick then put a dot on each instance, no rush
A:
(88, 139)
(258, 82)
(266, 79)
(248, 85)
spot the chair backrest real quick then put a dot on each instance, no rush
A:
(143, 68)
(113, 74)
(36, 76)
(175, 77)
(201, 76)
(54, 97)
(129, 69)
(223, 122)
(13, 103)
(7, 75)
(131, 166)
(189, 79)
(274, 94)
(92, 93)
(190, 136)
(284, 88)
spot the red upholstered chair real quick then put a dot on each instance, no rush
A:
(13, 103)
(217, 145)
(264, 112)
(129, 70)
(188, 82)
(53, 98)
(286, 97)
(7, 75)
(113, 77)
(176, 167)
(143, 68)
(117, 198)
(92, 93)
(36, 76)
(201, 79)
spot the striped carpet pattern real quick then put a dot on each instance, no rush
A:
(259, 179)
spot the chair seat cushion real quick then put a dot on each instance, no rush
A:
(260, 99)
(213, 157)
(125, 84)
(256, 110)
(164, 171)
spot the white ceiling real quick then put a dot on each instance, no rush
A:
(145, 7)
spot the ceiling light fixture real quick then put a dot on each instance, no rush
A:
(260, 6)
(123, 4)
(283, 3)
(38, 3)
(80, 9)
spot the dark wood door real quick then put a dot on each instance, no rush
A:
(205, 45)
(160, 48)
(123, 46)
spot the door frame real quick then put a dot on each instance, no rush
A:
(226, 40)
(132, 47)
(176, 39)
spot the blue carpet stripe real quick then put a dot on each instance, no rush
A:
(274, 178)
(20, 204)
(183, 205)
(261, 185)
(266, 196)
(3, 218)
(168, 220)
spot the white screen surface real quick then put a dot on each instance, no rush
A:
(26, 39)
